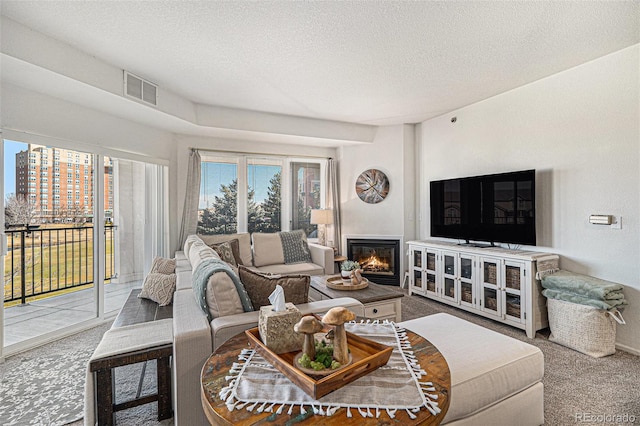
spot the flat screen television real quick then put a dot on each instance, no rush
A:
(498, 208)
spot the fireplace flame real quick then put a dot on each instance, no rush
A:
(374, 264)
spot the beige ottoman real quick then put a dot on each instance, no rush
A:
(495, 379)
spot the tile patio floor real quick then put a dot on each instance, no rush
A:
(34, 319)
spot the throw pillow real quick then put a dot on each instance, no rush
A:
(203, 283)
(163, 265)
(294, 247)
(222, 296)
(260, 286)
(267, 249)
(159, 287)
(229, 251)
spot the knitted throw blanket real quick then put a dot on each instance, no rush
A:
(254, 384)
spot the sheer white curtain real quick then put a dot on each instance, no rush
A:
(333, 202)
(190, 212)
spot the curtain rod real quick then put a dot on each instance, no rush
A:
(228, 151)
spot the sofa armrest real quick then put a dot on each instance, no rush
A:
(224, 328)
(322, 256)
(191, 348)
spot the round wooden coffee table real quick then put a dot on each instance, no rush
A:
(219, 363)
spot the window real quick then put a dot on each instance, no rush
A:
(218, 205)
(306, 195)
(264, 181)
(243, 193)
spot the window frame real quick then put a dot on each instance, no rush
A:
(242, 160)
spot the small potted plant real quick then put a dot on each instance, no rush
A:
(347, 267)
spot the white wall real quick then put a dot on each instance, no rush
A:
(392, 152)
(580, 130)
(78, 127)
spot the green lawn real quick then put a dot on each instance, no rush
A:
(53, 264)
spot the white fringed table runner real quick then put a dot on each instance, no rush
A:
(254, 384)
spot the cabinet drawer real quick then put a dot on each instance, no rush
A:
(315, 295)
(379, 310)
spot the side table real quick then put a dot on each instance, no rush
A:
(338, 260)
(380, 301)
(141, 332)
(217, 367)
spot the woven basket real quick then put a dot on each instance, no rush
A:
(583, 328)
(466, 294)
(431, 286)
(513, 310)
(490, 274)
(431, 262)
(491, 303)
(513, 277)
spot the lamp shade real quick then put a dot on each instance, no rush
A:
(321, 216)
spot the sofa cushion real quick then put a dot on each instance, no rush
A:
(267, 249)
(260, 286)
(188, 242)
(159, 288)
(198, 252)
(228, 251)
(218, 293)
(486, 367)
(222, 297)
(162, 265)
(294, 268)
(244, 244)
(294, 247)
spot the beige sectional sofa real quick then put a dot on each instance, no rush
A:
(264, 252)
(195, 337)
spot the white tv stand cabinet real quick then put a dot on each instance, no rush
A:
(494, 282)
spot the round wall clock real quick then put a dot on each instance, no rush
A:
(372, 186)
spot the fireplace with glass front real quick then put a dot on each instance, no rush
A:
(379, 259)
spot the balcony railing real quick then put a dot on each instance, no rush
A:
(42, 261)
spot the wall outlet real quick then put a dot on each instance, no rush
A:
(617, 223)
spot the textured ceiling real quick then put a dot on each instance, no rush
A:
(368, 62)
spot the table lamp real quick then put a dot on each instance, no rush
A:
(322, 217)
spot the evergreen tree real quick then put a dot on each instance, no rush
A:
(221, 217)
(271, 207)
(255, 215)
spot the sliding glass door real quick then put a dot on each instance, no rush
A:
(49, 282)
(81, 230)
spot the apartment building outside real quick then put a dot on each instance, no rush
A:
(59, 183)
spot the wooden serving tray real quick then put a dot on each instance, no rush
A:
(336, 283)
(367, 356)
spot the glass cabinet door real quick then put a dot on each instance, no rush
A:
(430, 271)
(513, 282)
(467, 292)
(416, 267)
(449, 282)
(490, 286)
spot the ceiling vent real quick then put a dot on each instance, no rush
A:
(139, 89)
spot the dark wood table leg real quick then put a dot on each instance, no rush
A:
(165, 410)
(104, 397)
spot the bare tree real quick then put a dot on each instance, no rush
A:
(73, 214)
(19, 211)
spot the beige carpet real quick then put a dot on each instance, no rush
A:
(575, 384)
